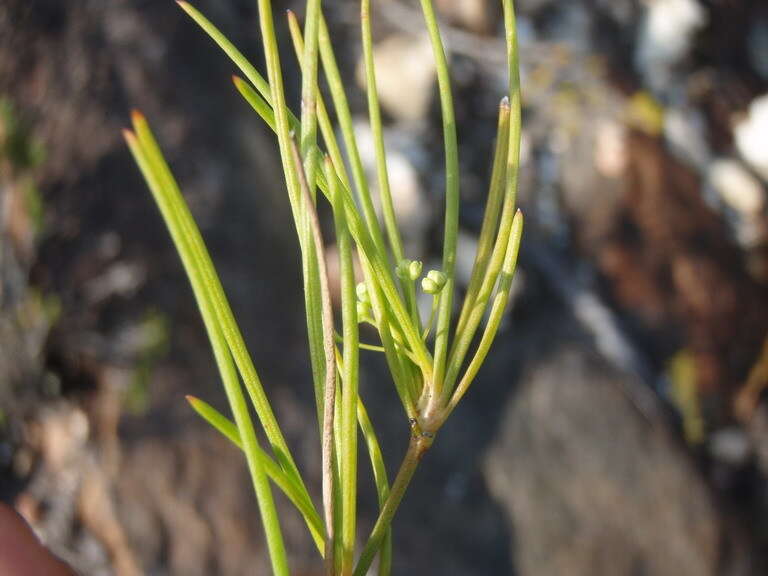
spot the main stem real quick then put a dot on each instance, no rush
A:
(417, 446)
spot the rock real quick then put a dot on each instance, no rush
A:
(751, 134)
(730, 446)
(610, 154)
(477, 16)
(685, 133)
(466, 250)
(666, 36)
(413, 210)
(739, 189)
(405, 76)
(582, 474)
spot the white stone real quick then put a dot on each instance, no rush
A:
(412, 209)
(405, 76)
(610, 153)
(731, 446)
(474, 15)
(466, 250)
(752, 136)
(666, 35)
(739, 189)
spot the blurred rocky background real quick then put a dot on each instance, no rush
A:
(621, 424)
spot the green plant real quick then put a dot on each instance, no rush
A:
(430, 383)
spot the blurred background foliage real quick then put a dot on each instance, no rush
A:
(620, 426)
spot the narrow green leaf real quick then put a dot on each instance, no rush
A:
(166, 194)
(490, 224)
(385, 193)
(451, 233)
(216, 419)
(326, 127)
(498, 308)
(381, 275)
(296, 494)
(464, 338)
(379, 472)
(322, 318)
(170, 195)
(350, 374)
(229, 49)
(374, 112)
(339, 97)
(380, 479)
(309, 92)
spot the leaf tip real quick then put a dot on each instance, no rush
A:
(137, 116)
(192, 400)
(504, 103)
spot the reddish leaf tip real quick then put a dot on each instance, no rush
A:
(137, 116)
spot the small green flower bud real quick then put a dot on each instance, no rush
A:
(362, 293)
(429, 286)
(408, 269)
(414, 270)
(433, 282)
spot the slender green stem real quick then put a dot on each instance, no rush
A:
(379, 471)
(361, 345)
(283, 125)
(309, 94)
(497, 311)
(229, 49)
(474, 316)
(374, 113)
(416, 448)
(371, 347)
(339, 97)
(451, 196)
(349, 403)
(491, 217)
(311, 263)
(330, 362)
(366, 242)
(394, 359)
(381, 481)
(326, 126)
(432, 314)
(380, 275)
(338, 497)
